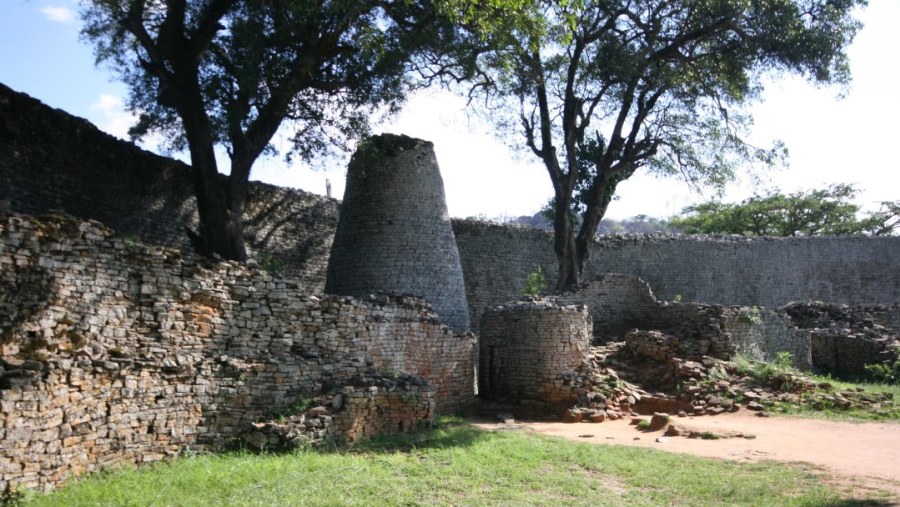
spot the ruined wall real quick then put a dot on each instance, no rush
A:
(50, 160)
(619, 303)
(762, 334)
(766, 272)
(113, 351)
(846, 338)
(528, 349)
(394, 232)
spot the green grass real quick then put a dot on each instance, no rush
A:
(887, 412)
(772, 374)
(455, 465)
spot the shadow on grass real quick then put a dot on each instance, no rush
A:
(447, 433)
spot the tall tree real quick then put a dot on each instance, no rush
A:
(615, 86)
(228, 73)
(824, 212)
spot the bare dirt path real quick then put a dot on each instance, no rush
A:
(861, 455)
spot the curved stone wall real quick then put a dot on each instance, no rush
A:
(51, 160)
(528, 349)
(726, 270)
(394, 233)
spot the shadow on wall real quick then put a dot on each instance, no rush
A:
(114, 351)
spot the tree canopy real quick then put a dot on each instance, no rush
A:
(608, 88)
(229, 73)
(824, 212)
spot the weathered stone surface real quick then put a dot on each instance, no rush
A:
(726, 270)
(51, 160)
(530, 352)
(394, 232)
(114, 351)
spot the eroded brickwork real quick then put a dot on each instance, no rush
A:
(114, 351)
(50, 160)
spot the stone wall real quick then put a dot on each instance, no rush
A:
(114, 351)
(529, 349)
(619, 303)
(394, 232)
(762, 334)
(742, 271)
(50, 160)
(845, 338)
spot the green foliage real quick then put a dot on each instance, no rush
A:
(298, 407)
(455, 465)
(271, 264)
(227, 74)
(784, 360)
(751, 316)
(823, 212)
(884, 373)
(535, 283)
(607, 89)
(765, 373)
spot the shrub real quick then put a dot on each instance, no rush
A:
(884, 373)
(535, 283)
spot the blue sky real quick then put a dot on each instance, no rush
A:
(830, 141)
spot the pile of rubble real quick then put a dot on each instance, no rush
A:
(643, 375)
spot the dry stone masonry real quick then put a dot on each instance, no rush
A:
(394, 232)
(726, 270)
(529, 351)
(52, 160)
(114, 351)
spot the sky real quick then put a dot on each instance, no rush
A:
(830, 140)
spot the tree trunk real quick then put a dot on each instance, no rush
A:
(564, 245)
(584, 242)
(221, 229)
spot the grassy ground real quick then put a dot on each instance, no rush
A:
(820, 403)
(888, 411)
(455, 465)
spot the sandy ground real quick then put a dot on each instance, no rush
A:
(860, 456)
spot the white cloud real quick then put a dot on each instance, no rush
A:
(108, 114)
(60, 14)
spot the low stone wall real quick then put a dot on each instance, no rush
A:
(619, 303)
(725, 270)
(529, 350)
(845, 339)
(392, 405)
(113, 351)
(762, 334)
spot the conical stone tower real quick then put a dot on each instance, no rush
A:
(394, 232)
